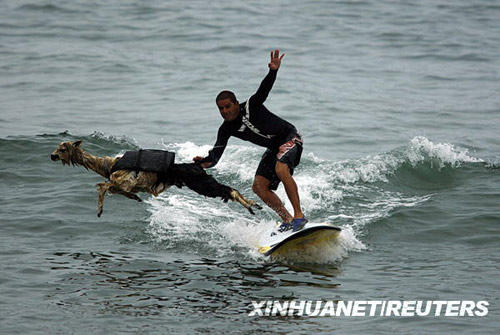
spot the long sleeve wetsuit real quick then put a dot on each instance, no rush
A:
(255, 123)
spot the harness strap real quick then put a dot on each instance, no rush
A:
(138, 161)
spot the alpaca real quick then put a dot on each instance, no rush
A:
(128, 182)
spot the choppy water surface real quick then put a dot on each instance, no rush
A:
(398, 104)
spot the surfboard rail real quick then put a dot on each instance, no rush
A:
(311, 234)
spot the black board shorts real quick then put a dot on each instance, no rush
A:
(288, 153)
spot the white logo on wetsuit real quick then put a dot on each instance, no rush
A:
(246, 123)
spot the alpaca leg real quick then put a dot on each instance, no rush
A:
(132, 196)
(117, 190)
(102, 188)
(248, 204)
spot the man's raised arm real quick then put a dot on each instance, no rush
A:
(267, 84)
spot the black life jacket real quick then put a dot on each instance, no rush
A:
(150, 160)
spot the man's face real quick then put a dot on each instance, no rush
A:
(228, 110)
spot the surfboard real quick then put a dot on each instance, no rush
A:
(312, 234)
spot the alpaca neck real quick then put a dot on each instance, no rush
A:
(100, 165)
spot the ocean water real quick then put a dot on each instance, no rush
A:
(399, 106)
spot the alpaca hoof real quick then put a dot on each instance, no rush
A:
(99, 213)
(256, 205)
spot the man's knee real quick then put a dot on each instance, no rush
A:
(255, 187)
(282, 169)
(260, 185)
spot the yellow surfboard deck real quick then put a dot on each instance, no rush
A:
(313, 234)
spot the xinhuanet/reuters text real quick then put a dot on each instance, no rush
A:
(357, 308)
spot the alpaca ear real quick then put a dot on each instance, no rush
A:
(76, 144)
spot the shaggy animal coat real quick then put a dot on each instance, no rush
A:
(128, 183)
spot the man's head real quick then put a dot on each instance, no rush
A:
(229, 107)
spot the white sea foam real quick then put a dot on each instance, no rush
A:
(381, 207)
(187, 150)
(239, 160)
(376, 168)
(421, 148)
(116, 139)
(248, 233)
(251, 234)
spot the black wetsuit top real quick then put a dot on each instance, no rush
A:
(255, 123)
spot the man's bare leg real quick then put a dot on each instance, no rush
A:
(283, 172)
(261, 188)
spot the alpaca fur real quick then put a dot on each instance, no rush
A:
(128, 183)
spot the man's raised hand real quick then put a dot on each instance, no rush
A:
(275, 62)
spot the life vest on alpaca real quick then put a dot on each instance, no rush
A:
(149, 160)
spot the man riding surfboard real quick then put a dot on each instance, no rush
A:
(252, 121)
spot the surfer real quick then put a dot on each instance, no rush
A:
(252, 121)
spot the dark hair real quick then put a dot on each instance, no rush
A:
(226, 95)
